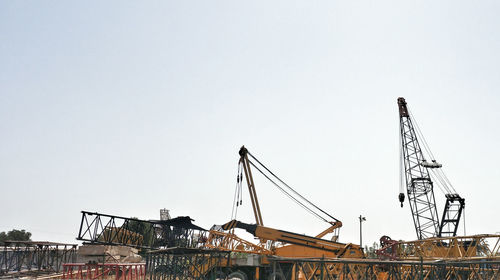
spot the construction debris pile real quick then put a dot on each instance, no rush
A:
(108, 254)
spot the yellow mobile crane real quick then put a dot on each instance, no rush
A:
(275, 242)
(297, 245)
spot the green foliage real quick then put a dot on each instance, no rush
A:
(3, 237)
(15, 235)
(370, 252)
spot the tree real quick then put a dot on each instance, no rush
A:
(15, 235)
(371, 252)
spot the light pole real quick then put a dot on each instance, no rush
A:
(361, 220)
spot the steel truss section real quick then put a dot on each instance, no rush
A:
(35, 257)
(343, 269)
(484, 246)
(418, 183)
(452, 213)
(180, 264)
(219, 240)
(96, 228)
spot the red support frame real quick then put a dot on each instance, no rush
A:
(120, 271)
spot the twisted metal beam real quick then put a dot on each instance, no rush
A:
(97, 228)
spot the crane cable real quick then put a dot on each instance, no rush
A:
(440, 182)
(237, 201)
(402, 159)
(465, 230)
(447, 180)
(302, 204)
(445, 185)
(421, 136)
(289, 195)
(401, 164)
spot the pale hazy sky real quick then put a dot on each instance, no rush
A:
(127, 107)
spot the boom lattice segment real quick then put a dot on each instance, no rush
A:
(105, 229)
(418, 182)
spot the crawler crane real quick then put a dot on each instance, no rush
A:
(437, 239)
(419, 186)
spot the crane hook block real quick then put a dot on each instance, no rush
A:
(401, 198)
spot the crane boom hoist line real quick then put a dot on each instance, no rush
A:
(419, 185)
(247, 162)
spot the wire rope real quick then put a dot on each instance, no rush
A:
(291, 189)
(288, 194)
(447, 180)
(401, 163)
(439, 182)
(465, 231)
(421, 136)
(442, 178)
(237, 194)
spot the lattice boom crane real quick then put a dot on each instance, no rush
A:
(416, 170)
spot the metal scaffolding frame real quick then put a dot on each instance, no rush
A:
(343, 269)
(96, 228)
(195, 264)
(481, 246)
(35, 256)
(184, 263)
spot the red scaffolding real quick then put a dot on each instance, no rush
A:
(117, 271)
